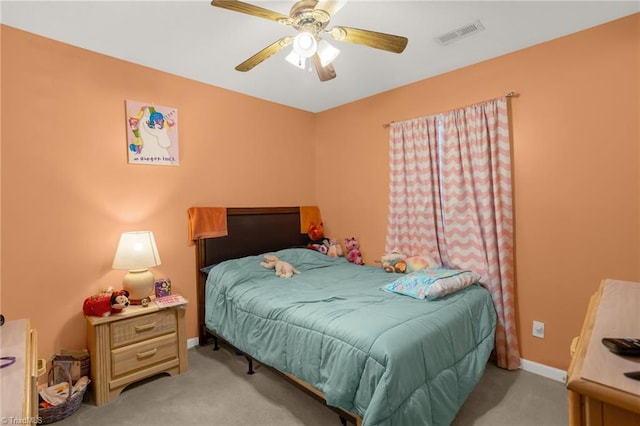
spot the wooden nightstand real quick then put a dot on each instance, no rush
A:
(138, 343)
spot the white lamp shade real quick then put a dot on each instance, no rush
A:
(296, 60)
(327, 53)
(136, 250)
(305, 45)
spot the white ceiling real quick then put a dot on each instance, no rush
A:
(198, 41)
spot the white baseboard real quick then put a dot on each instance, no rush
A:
(544, 370)
(192, 343)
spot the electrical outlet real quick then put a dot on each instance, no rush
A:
(538, 329)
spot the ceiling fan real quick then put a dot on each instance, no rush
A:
(311, 18)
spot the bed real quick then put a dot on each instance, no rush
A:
(375, 357)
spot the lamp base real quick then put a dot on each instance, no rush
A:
(140, 285)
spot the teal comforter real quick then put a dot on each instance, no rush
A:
(389, 358)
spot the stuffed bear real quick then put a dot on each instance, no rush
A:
(315, 232)
(322, 248)
(329, 247)
(397, 262)
(416, 263)
(394, 262)
(333, 248)
(283, 269)
(106, 303)
(352, 246)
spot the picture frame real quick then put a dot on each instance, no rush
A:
(152, 134)
(162, 287)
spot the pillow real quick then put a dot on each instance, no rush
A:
(432, 283)
(418, 263)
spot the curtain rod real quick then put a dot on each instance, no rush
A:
(508, 95)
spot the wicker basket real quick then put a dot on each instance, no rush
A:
(67, 408)
(67, 360)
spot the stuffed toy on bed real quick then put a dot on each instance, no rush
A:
(283, 269)
(417, 263)
(352, 247)
(333, 248)
(320, 247)
(397, 262)
(394, 262)
(316, 232)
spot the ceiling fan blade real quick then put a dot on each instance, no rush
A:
(324, 73)
(250, 9)
(330, 6)
(265, 53)
(388, 42)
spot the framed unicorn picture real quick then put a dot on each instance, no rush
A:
(152, 134)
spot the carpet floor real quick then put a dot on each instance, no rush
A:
(216, 390)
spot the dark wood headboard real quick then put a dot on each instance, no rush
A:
(251, 231)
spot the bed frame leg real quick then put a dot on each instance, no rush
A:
(215, 343)
(343, 421)
(250, 365)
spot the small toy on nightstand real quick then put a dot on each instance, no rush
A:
(105, 303)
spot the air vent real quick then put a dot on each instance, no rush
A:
(467, 30)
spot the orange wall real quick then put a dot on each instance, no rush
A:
(67, 191)
(576, 141)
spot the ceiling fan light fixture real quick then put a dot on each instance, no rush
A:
(310, 19)
(327, 52)
(305, 44)
(294, 59)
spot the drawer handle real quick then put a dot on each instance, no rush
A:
(145, 327)
(146, 354)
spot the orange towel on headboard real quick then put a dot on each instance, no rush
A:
(309, 215)
(207, 222)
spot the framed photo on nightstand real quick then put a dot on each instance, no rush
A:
(163, 287)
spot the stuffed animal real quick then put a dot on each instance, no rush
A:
(283, 269)
(352, 246)
(322, 248)
(119, 301)
(105, 303)
(394, 262)
(333, 248)
(329, 247)
(416, 263)
(397, 262)
(316, 232)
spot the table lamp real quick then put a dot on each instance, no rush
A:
(136, 252)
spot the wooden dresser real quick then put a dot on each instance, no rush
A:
(19, 374)
(130, 346)
(599, 393)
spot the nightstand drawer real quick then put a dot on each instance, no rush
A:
(142, 328)
(143, 354)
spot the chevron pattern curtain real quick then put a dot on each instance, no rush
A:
(451, 199)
